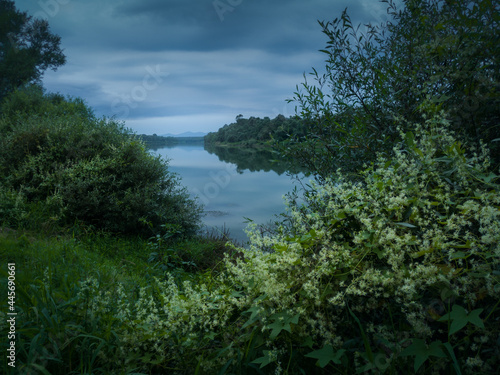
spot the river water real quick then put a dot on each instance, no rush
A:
(232, 184)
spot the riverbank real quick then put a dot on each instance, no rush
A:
(248, 144)
(348, 281)
(156, 141)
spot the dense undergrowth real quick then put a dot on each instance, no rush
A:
(57, 330)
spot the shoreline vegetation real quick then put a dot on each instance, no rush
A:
(251, 144)
(155, 142)
(387, 263)
(256, 132)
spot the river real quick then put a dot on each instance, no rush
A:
(232, 184)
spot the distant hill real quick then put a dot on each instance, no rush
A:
(185, 134)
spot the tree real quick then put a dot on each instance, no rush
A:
(27, 48)
(432, 55)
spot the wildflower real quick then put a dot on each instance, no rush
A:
(474, 362)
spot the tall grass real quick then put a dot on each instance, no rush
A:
(56, 331)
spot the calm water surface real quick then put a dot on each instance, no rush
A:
(229, 193)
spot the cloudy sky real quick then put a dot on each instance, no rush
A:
(170, 66)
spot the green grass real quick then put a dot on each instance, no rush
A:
(52, 329)
(55, 333)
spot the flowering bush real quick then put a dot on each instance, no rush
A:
(385, 259)
(394, 271)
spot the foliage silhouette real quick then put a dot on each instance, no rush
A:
(27, 48)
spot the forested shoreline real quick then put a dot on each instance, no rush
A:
(157, 141)
(256, 132)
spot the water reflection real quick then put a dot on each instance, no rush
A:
(232, 187)
(253, 159)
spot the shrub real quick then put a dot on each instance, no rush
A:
(93, 170)
(374, 271)
(12, 207)
(32, 99)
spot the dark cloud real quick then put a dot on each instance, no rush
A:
(214, 59)
(281, 26)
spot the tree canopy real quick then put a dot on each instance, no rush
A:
(256, 130)
(432, 55)
(27, 48)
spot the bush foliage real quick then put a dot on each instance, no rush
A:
(54, 150)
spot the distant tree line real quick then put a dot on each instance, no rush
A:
(158, 141)
(255, 130)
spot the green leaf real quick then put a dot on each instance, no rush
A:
(265, 360)
(251, 282)
(253, 317)
(379, 252)
(368, 348)
(419, 152)
(448, 347)
(467, 245)
(459, 318)
(422, 352)
(475, 319)
(236, 294)
(407, 225)
(366, 235)
(410, 139)
(488, 178)
(458, 255)
(210, 336)
(282, 322)
(225, 367)
(325, 355)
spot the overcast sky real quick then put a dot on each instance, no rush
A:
(170, 66)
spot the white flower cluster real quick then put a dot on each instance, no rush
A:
(416, 224)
